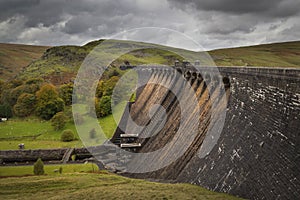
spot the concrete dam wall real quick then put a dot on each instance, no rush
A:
(254, 154)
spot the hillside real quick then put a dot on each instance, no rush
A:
(14, 57)
(285, 54)
(60, 64)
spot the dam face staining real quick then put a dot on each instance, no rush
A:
(253, 153)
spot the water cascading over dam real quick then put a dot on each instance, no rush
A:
(255, 153)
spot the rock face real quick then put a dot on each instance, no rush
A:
(256, 153)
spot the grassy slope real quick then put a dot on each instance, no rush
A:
(102, 185)
(67, 59)
(37, 133)
(64, 61)
(14, 57)
(278, 54)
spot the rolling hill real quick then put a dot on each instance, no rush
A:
(15, 57)
(285, 54)
(59, 64)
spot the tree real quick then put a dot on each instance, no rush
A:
(105, 88)
(47, 91)
(18, 91)
(47, 110)
(48, 102)
(110, 85)
(15, 93)
(5, 110)
(10, 91)
(100, 89)
(58, 121)
(25, 105)
(103, 107)
(38, 167)
(67, 135)
(66, 92)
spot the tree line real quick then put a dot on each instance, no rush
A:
(23, 98)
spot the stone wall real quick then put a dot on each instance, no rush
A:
(30, 155)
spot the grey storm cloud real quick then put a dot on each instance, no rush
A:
(272, 8)
(213, 23)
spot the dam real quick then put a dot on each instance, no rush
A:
(243, 139)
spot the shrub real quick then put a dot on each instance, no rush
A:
(58, 121)
(73, 157)
(67, 135)
(93, 133)
(38, 167)
(60, 170)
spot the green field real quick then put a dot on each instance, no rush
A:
(101, 185)
(286, 54)
(36, 133)
(49, 169)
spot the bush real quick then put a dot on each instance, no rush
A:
(93, 133)
(38, 167)
(73, 157)
(60, 170)
(58, 121)
(67, 135)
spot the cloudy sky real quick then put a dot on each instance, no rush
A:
(212, 23)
